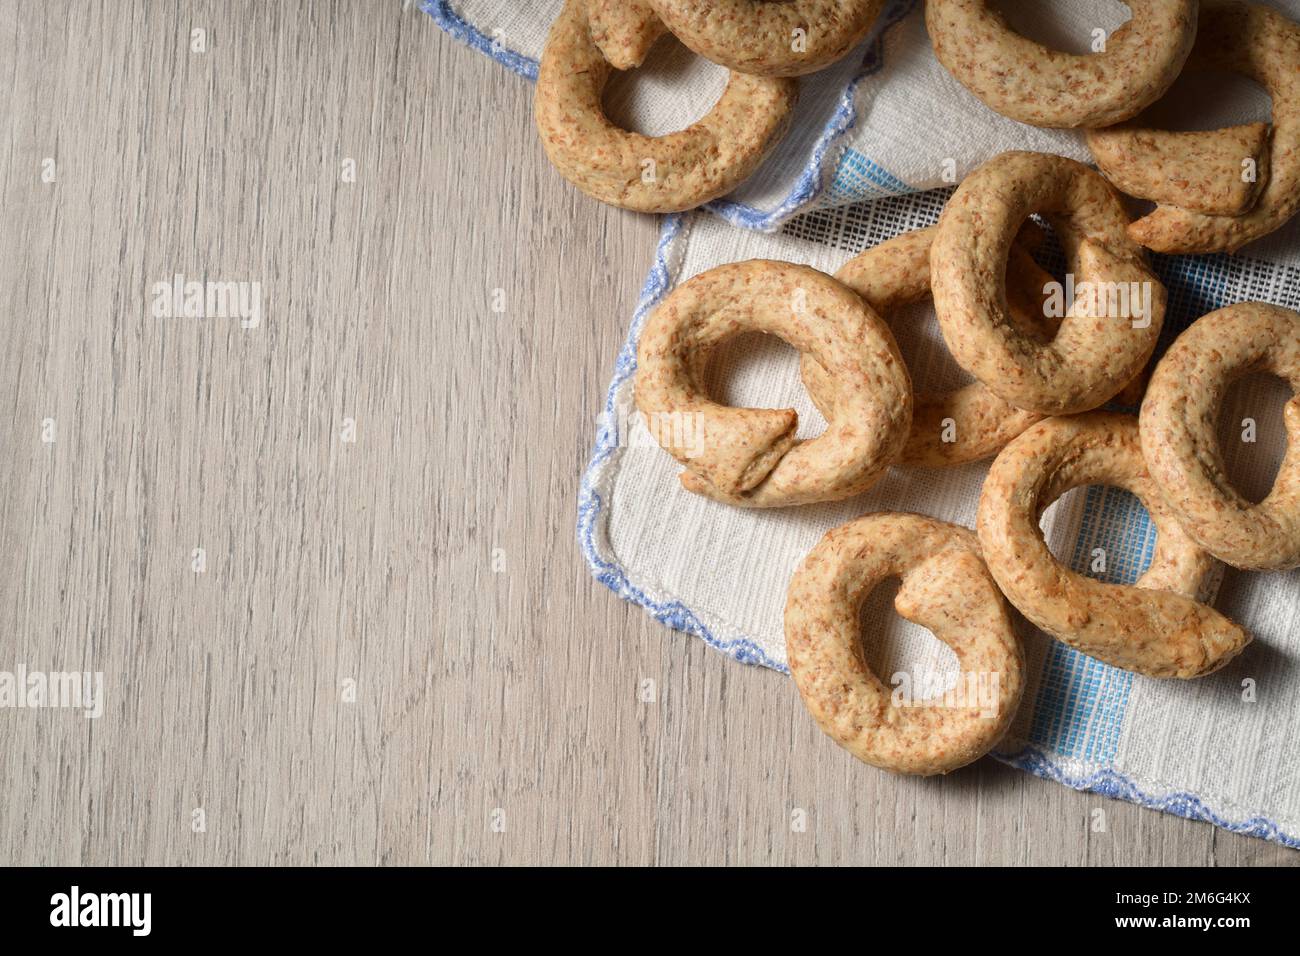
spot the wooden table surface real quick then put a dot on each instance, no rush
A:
(326, 564)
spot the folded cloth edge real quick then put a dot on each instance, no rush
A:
(817, 172)
(605, 568)
(813, 180)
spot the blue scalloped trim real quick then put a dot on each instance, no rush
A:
(679, 617)
(1115, 785)
(810, 183)
(672, 613)
(472, 37)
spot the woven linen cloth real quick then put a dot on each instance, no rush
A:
(1224, 748)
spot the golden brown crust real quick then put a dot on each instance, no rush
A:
(1111, 329)
(949, 427)
(1197, 171)
(648, 173)
(1158, 627)
(749, 456)
(624, 30)
(1033, 84)
(1179, 416)
(945, 587)
(766, 38)
(1258, 43)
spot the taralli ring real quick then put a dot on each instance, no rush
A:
(1043, 87)
(945, 587)
(1218, 190)
(750, 456)
(949, 427)
(647, 173)
(768, 38)
(1179, 415)
(1158, 627)
(1112, 304)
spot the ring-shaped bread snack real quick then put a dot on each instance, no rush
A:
(1159, 626)
(1179, 417)
(958, 425)
(1031, 83)
(770, 37)
(647, 173)
(1218, 190)
(750, 456)
(945, 587)
(1112, 323)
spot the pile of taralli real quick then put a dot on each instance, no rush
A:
(1041, 374)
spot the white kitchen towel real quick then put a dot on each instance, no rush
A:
(890, 122)
(887, 120)
(1223, 748)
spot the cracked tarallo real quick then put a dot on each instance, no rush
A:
(750, 457)
(944, 586)
(1031, 83)
(1178, 419)
(1160, 626)
(646, 173)
(1108, 333)
(766, 38)
(1207, 198)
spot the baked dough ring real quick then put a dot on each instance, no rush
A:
(647, 173)
(897, 273)
(1216, 211)
(1178, 418)
(1043, 87)
(1157, 627)
(758, 36)
(750, 456)
(946, 588)
(1103, 342)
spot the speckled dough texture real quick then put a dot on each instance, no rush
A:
(647, 173)
(1216, 211)
(624, 30)
(978, 423)
(1179, 417)
(750, 456)
(1105, 340)
(945, 587)
(1197, 171)
(760, 36)
(1158, 627)
(1028, 82)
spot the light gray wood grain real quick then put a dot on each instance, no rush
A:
(477, 688)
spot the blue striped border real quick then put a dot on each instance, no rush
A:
(1081, 701)
(854, 171)
(678, 616)
(1204, 275)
